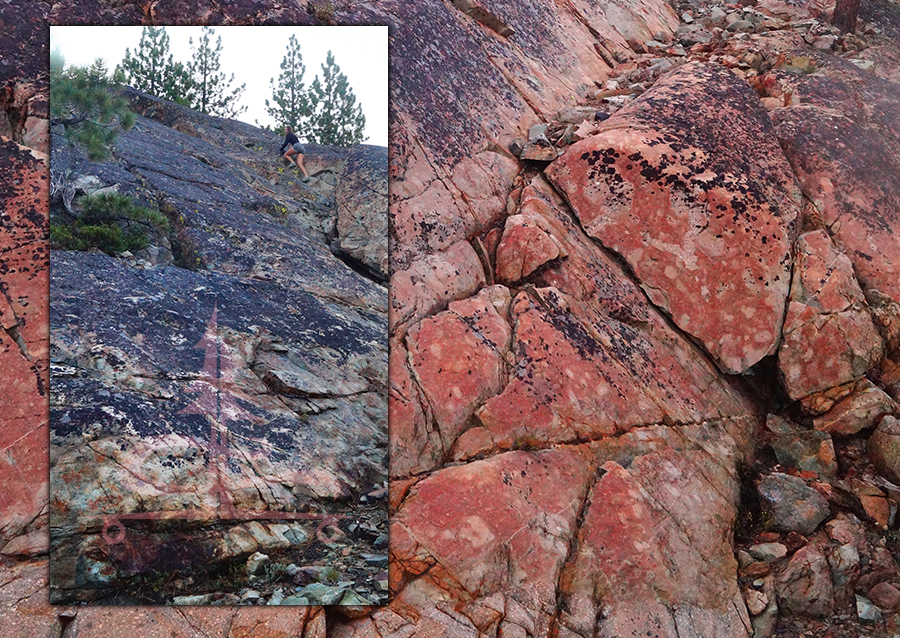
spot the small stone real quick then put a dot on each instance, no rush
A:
(353, 598)
(756, 601)
(844, 561)
(807, 450)
(742, 26)
(883, 448)
(537, 132)
(780, 425)
(861, 410)
(864, 65)
(792, 505)
(276, 597)
(539, 152)
(866, 611)
(845, 530)
(768, 551)
(805, 586)
(378, 560)
(687, 18)
(250, 597)
(886, 596)
(516, 147)
(716, 14)
(877, 507)
(257, 563)
(744, 559)
(295, 599)
(825, 42)
(199, 599)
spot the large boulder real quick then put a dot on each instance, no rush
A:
(689, 186)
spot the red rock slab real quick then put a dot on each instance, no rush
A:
(862, 409)
(656, 538)
(587, 273)
(841, 141)
(829, 336)
(432, 282)
(23, 339)
(458, 357)
(580, 375)
(501, 524)
(526, 245)
(688, 184)
(415, 444)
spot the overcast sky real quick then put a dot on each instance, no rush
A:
(254, 55)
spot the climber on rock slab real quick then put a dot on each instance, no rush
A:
(294, 147)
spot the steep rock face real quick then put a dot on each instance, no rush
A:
(700, 203)
(261, 329)
(23, 342)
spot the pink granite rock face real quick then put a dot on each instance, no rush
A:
(855, 185)
(677, 189)
(526, 246)
(23, 341)
(829, 336)
(457, 358)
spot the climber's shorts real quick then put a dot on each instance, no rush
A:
(300, 148)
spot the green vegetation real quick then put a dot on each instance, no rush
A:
(109, 222)
(81, 100)
(336, 117)
(212, 90)
(152, 69)
(291, 103)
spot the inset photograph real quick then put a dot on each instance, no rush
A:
(218, 315)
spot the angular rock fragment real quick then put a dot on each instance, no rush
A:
(790, 504)
(525, 246)
(807, 450)
(884, 448)
(859, 411)
(829, 336)
(805, 586)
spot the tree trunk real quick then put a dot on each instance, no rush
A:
(844, 17)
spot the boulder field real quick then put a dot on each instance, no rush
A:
(644, 321)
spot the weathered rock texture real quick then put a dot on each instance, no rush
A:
(689, 186)
(829, 337)
(566, 439)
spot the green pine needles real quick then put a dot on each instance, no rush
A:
(213, 94)
(110, 222)
(82, 101)
(152, 69)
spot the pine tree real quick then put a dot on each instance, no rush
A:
(152, 69)
(336, 117)
(211, 86)
(291, 102)
(81, 102)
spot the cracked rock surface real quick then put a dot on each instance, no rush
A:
(587, 386)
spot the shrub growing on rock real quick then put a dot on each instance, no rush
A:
(110, 222)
